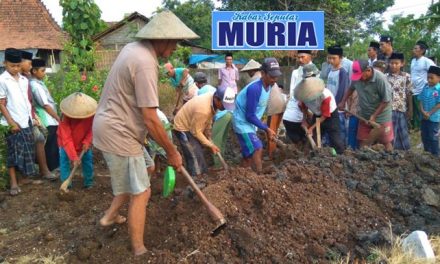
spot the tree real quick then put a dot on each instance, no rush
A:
(81, 20)
(196, 14)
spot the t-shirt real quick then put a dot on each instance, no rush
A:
(419, 73)
(338, 83)
(16, 94)
(189, 89)
(430, 97)
(207, 88)
(250, 105)
(229, 77)
(196, 116)
(371, 93)
(324, 105)
(293, 113)
(131, 85)
(402, 87)
(42, 97)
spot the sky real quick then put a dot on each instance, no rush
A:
(114, 10)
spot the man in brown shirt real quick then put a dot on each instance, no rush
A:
(194, 120)
(126, 111)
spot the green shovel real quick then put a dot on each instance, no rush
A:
(169, 180)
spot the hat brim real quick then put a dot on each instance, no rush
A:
(229, 106)
(356, 76)
(275, 73)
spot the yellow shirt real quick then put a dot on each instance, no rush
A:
(196, 116)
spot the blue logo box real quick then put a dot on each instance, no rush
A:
(267, 30)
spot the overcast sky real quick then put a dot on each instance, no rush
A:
(114, 10)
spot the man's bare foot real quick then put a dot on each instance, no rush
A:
(107, 220)
(140, 251)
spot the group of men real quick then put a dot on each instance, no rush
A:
(352, 102)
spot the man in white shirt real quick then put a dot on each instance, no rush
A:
(419, 72)
(293, 115)
(372, 52)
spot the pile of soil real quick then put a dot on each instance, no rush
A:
(301, 210)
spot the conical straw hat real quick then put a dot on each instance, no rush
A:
(251, 65)
(166, 25)
(78, 105)
(309, 89)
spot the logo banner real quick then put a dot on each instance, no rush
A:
(267, 30)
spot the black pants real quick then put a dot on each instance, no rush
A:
(51, 148)
(332, 128)
(294, 131)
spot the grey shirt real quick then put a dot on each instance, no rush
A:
(371, 94)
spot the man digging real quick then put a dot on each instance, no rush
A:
(126, 111)
(375, 96)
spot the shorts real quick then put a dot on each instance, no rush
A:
(128, 174)
(249, 143)
(148, 160)
(386, 136)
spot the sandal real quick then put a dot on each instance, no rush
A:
(14, 191)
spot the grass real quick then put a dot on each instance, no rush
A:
(167, 98)
(393, 254)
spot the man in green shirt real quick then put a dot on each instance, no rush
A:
(375, 96)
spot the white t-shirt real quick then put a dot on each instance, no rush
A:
(16, 94)
(293, 113)
(419, 73)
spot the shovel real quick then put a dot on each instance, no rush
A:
(215, 213)
(310, 138)
(318, 132)
(222, 160)
(67, 182)
(374, 133)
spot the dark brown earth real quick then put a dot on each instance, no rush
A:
(301, 210)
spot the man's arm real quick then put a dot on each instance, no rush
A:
(158, 133)
(4, 111)
(51, 112)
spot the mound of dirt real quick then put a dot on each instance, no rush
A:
(301, 210)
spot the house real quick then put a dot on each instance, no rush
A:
(28, 25)
(113, 39)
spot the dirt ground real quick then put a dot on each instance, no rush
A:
(309, 209)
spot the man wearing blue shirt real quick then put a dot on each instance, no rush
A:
(251, 103)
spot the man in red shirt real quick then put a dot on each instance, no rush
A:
(75, 135)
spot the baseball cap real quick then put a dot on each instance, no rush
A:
(358, 67)
(227, 95)
(200, 77)
(271, 67)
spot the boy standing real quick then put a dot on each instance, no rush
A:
(46, 110)
(402, 100)
(75, 135)
(16, 112)
(429, 105)
(338, 82)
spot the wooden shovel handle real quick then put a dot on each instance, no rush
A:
(373, 124)
(67, 182)
(222, 160)
(310, 138)
(318, 132)
(213, 211)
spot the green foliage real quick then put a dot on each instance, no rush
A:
(4, 177)
(65, 82)
(81, 20)
(196, 14)
(180, 56)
